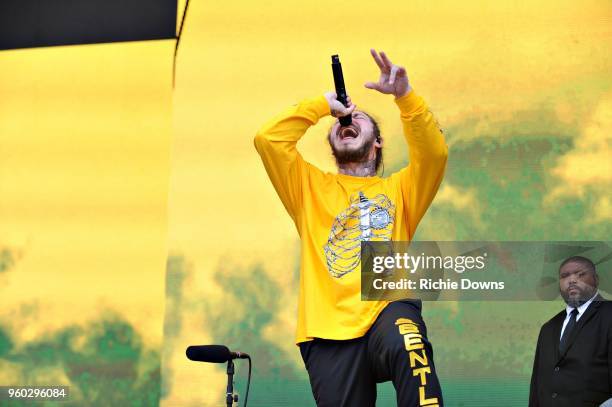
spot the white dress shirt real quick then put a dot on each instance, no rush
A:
(581, 310)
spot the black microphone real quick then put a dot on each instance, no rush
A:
(340, 88)
(213, 354)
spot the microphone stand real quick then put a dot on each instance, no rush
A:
(230, 397)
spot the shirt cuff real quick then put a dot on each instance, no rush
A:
(410, 102)
(320, 106)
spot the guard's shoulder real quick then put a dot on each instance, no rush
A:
(551, 322)
(606, 306)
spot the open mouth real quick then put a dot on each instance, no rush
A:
(348, 132)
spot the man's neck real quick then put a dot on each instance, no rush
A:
(366, 169)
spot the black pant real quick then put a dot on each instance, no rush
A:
(345, 373)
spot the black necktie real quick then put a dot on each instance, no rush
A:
(568, 330)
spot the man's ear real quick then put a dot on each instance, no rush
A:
(378, 142)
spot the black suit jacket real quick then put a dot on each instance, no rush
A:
(582, 375)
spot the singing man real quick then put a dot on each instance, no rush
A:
(349, 345)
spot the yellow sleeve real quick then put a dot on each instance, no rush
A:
(427, 152)
(276, 144)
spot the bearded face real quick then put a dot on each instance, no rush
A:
(577, 283)
(352, 143)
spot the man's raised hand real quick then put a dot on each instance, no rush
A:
(393, 79)
(336, 107)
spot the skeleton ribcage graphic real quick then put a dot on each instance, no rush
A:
(366, 219)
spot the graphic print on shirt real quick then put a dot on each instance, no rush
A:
(366, 219)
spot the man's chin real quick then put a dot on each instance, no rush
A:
(347, 148)
(349, 156)
(351, 152)
(576, 300)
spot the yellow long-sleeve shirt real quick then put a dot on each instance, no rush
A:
(333, 213)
